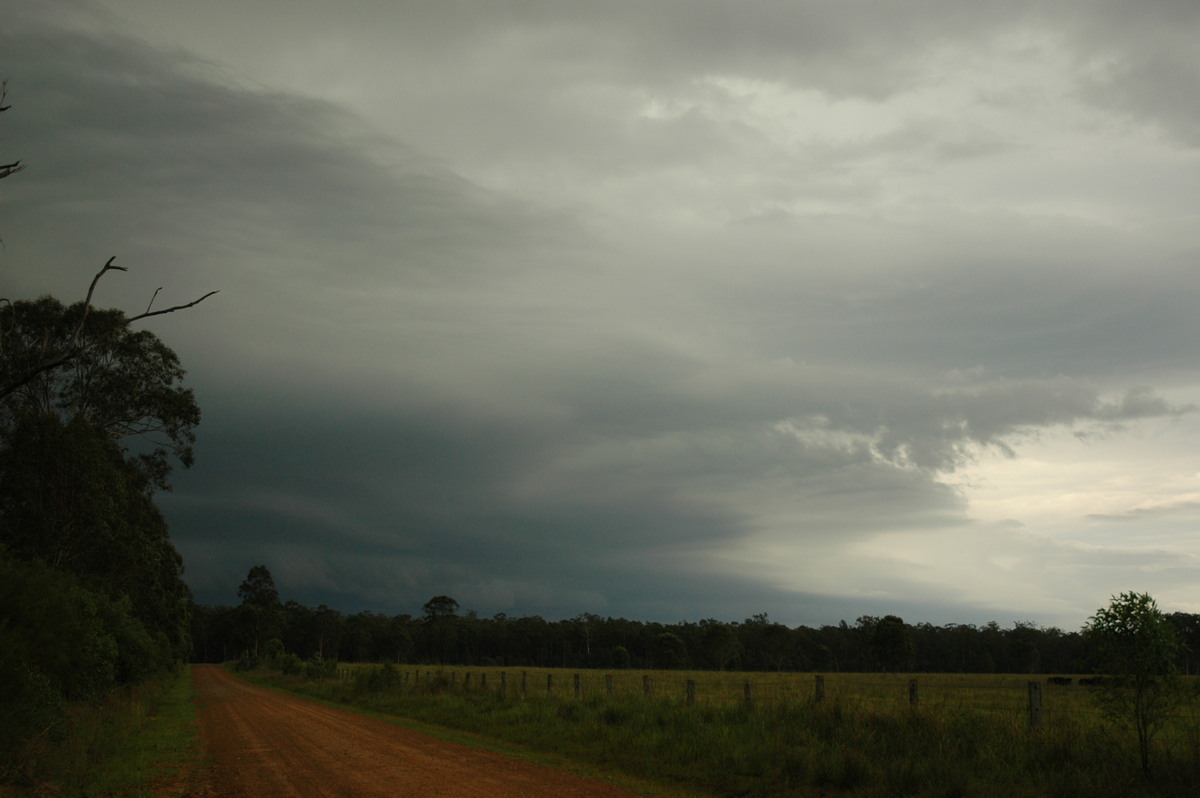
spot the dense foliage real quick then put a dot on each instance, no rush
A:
(123, 382)
(91, 589)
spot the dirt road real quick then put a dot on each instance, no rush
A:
(264, 744)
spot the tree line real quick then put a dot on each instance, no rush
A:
(441, 634)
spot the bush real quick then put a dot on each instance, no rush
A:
(289, 665)
(273, 652)
(31, 713)
(138, 655)
(317, 669)
(377, 680)
(59, 628)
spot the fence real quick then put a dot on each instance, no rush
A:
(1016, 697)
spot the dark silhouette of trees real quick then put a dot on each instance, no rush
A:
(718, 644)
(442, 634)
(891, 645)
(441, 627)
(670, 651)
(439, 607)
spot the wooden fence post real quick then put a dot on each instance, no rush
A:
(691, 693)
(549, 683)
(503, 682)
(748, 699)
(483, 680)
(912, 693)
(608, 686)
(1035, 704)
(820, 694)
(575, 679)
(524, 685)
(646, 684)
(467, 680)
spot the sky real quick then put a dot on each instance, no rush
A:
(667, 309)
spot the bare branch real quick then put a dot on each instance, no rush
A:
(150, 304)
(108, 266)
(148, 314)
(16, 166)
(87, 302)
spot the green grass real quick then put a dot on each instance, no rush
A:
(139, 742)
(968, 736)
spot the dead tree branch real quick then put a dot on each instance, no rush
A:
(16, 166)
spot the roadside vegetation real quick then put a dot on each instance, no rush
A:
(966, 737)
(139, 741)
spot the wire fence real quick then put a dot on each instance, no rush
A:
(1018, 698)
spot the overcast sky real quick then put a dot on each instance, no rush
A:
(664, 310)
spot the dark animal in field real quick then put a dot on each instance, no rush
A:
(1059, 680)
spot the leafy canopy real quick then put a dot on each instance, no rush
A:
(1133, 638)
(125, 382)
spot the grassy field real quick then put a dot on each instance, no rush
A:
(968, 735)
(139, 742)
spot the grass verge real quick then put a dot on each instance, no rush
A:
(139, 742)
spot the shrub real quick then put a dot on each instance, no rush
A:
(31, 713)
(289, 665)
(59, 628)
(317, 669)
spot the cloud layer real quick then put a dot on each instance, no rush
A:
(662, 309)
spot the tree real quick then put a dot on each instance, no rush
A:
(70, 498)
(1138, 646)
(70, 495)
(584, 622)
(670, 651)
(1187, 627)
(261, 610)
(440, 614)
(891, 644)
(720, 644)
(53, 355)
(125, 382)
(439, 607)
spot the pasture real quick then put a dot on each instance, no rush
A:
(779, 734)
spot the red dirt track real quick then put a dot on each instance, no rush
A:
(264, 744)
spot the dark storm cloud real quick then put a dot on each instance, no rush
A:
(565, 327)
(140, 151)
